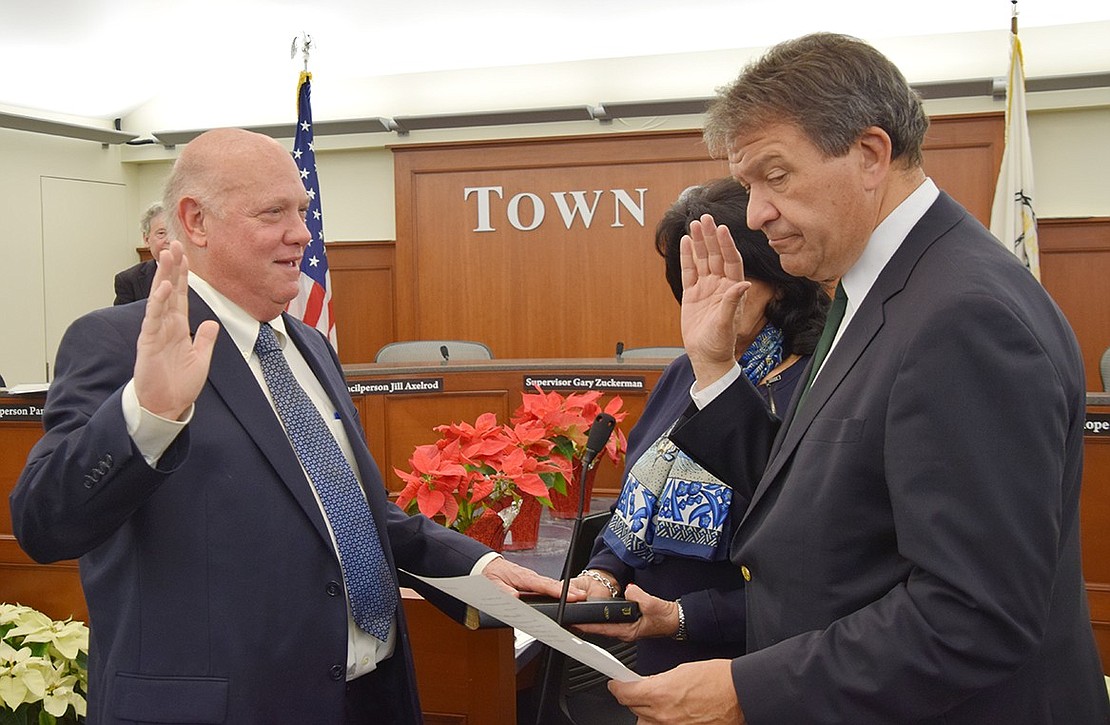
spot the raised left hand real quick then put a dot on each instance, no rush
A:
(694, 693)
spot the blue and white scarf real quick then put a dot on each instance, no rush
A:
(670, 505)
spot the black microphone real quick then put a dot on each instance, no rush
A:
(620, 351)
(600, 432)
(443, 352)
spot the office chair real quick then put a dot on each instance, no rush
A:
(583, 697)
(1104, 366)
(669, 353)
(433, 350)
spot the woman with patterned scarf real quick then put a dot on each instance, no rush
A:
(666, 545)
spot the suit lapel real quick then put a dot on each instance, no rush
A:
(232, 380)
(860, 333)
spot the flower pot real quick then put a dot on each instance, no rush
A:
(524, 532)
(489, 529)
(565, 506)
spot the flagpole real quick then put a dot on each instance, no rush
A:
(1013, 219)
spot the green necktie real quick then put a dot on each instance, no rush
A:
(832, 324)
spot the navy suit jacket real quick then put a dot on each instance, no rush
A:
(213, 589)
(134, 283)
(912, 549)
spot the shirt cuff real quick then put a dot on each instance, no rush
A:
(706, 395)
(481, 564)
(152, 434)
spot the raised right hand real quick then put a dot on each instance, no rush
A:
(170, 365)
(713, 288)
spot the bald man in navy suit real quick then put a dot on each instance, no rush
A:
(215, 590)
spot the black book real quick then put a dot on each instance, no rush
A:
(591, 611)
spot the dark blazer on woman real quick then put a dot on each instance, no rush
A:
(711, 591)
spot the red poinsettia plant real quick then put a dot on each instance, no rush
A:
(566, 424)
(475, 471)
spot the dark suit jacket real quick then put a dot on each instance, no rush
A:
(711, 591)
(134, 282)
(913, 545)
(211, 582)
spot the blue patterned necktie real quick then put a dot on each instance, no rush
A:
(370, 586)
(824, 344)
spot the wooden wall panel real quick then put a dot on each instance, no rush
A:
(52, 588)
(1075, 269)
(362, 297)
(555, 291)
(551, 291)
(1095, 522)
(962, 154)
(464, 677)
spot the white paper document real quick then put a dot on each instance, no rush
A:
(482, 594)
(28, 388)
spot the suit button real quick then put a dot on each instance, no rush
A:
(333, 589)
(337, 672)
(746, 573)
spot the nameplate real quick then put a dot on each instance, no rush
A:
(614, 383)
(1098, 424)
(390, 387)
(10, 411)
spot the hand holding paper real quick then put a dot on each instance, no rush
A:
(480, 593)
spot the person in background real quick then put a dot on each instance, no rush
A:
(911, 553)
(134, 282)
(666, 545)
(203, 459)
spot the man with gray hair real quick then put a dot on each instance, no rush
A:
(134, 282)
(911, 553)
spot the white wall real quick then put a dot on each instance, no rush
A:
(1070, 132)
(31, 161)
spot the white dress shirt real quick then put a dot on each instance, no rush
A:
(153, 435)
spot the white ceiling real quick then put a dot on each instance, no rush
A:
(102, 59)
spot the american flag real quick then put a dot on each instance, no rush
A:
(313, 302)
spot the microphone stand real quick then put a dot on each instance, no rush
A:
(600, 431)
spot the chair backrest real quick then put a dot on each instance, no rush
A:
(669, 353)
(583, 697)
(1104, 367)
(433, 350)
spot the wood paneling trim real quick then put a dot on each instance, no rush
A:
(1086, 234)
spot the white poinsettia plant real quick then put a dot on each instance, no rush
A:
(43, 668)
